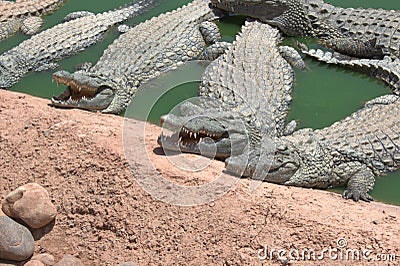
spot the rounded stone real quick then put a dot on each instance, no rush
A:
(69, 260)
(16, 242)
(30, 203)
(45, 258)
(34, 263)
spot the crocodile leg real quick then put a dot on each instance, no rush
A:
(9, 28)
(331, 37)
(210, 32)
(213, 51)
(212, 37)
(354, 47)
(31, 25)
(361, 180)
(292, 57)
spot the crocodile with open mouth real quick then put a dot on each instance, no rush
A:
(24, 15)
(350, 152)
(82, 30)
(358, 32)
(144, 52)
(244, 94)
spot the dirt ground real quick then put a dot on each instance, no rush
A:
(108, 212)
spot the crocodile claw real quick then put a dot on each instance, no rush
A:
(357, 195)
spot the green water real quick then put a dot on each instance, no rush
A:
(321, 96)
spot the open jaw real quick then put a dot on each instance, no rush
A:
(81, 95)
(214, 144)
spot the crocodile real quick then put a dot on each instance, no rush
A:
(42, 50)
(244, 94)
(358, 32)
(144, 52)
(350, 152)
(249, 133)
(24, 15)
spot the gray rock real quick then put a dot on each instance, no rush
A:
(16, 242)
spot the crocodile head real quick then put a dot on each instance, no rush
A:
(264, 10)
(84, 90)
(276, 163)
(210, 133)
(11, 70)
(297, 160)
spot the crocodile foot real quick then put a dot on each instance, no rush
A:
(356, 195)
(360, 178)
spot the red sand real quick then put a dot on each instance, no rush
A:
(106, 217)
